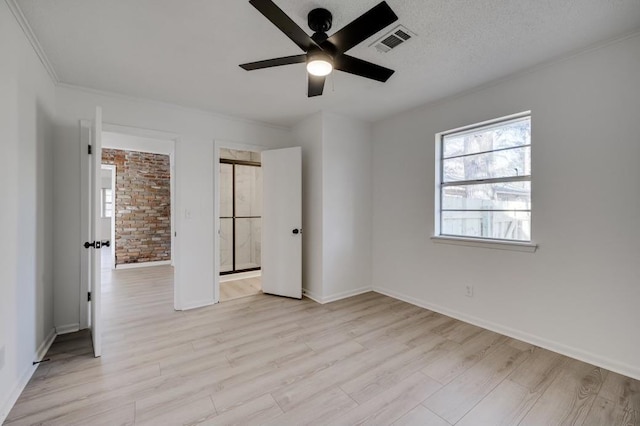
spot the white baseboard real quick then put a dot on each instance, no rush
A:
(67, 328)
(26, 376)
(311, 295)
(344, 294)
(142, 264)
(239, 276)
(579, 354)
(335, 296)
(197, 304)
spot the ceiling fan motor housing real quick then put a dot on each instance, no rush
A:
(320, 20)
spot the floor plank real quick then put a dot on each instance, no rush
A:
(368, 359)
(235, 289)
(455, 399)
(569, 398)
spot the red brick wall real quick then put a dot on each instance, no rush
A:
(142, 205)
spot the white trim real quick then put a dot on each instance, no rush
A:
(240, 276)
(141, 132)
(312, 296)
(336, 296)
(507, 119)
(142, 264)
(42, 350)
(439, 186)
(68, 328)
(345, 294)
(112, 219)
(579, 354)
(197, 304)
(28, 32)
(85, 215)
(486, 243)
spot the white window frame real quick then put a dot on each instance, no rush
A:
(103, 202)
(438, 237)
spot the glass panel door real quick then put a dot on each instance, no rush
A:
(240, 215)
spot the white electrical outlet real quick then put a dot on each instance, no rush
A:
(469, 290)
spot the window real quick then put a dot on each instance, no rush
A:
(106, 205)
(484, 181)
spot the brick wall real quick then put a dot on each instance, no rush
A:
(142, 205)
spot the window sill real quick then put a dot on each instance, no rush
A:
(490, 244)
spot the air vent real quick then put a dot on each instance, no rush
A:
(393, 39)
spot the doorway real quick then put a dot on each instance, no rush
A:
(240, 218)
(142, 142)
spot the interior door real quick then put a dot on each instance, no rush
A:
(95, 257)
(282, 222)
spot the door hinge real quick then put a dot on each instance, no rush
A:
(89, 149)
(89, 297)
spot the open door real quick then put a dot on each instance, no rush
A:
(282, 222)
(96, 242)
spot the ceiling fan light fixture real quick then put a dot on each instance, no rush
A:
(319, 64)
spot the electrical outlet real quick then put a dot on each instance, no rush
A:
(469, 290)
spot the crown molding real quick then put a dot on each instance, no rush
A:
(28, 32)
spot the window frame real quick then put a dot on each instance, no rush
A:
(438, 236)
(103, 202)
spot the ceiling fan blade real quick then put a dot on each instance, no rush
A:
(363, 27)
(280, 19)
(276, 62)
(362, 68)
(316, 85)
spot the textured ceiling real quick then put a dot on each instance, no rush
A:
(187, 52)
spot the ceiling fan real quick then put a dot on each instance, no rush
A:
(324, 53)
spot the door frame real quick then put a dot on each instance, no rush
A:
(218, 144)
(85, 204)
(112, 219)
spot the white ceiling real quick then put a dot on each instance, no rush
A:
(187, 52)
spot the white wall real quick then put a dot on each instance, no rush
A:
(336, 212)
(308, 135)
(196, 131)
(578, 294)
(346, 206)
(26, 282)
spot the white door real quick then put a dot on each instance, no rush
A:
(282, 222)
(94, 257)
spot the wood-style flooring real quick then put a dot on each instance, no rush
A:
(230, 290)
(262, 359)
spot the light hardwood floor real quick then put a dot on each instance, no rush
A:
(368, 359)
(230, 290)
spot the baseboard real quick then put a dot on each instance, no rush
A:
(68, 328)
(26, 376)
(579, 354)
(197, 304)
(335, 296)
(239, 276)
(142, 264)
(344, 294)
(311, 295)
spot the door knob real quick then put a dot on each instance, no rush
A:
(296, 231)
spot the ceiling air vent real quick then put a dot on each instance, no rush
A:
(393, 39)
